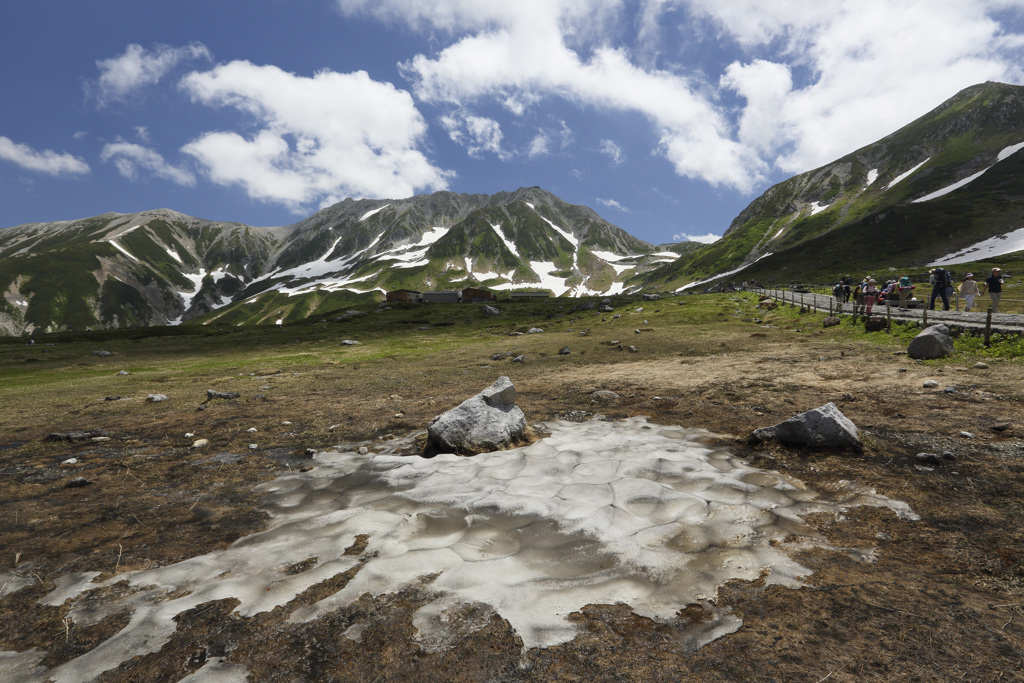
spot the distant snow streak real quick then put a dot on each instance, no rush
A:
(373, 211)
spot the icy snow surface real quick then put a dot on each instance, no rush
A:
(596, 513)
(992, 247)
(818, 208)
(872, 177)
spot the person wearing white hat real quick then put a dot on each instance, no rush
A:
(968, 290)
(994, 285)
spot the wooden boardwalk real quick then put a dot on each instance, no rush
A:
(1002, 323)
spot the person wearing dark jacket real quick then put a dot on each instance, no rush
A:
(994, 285)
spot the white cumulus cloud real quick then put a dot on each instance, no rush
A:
(46, 161)
(613, 151)
(478, 134)
(129, 158)
(815, 80)
(703, 239)
(612, 204)
(122, 76)
(319, 138)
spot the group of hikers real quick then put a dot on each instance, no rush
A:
(867, 293)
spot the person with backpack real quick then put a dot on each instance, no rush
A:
(940, 280)
(994, 285)
(905, 289)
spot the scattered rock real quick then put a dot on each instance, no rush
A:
(605, 308)
(501, 356)
(363, 450)
(515, 334)
(491, 310)
(831, 321)
(824, 427)
(200, 443)
(1001, 427)
(77, 483)
(928, 458)
(605, 395)
(70, 461)
(949, 455)
(211, 394)
(123, 373)
(981, 366)
(114, 397)
(76, 436)
(933, 342)
(534, 330)
(930, 384)
(874, 324)
(423, 328)
(349, 342)
(950, 390)
(102, 354)
(564, 351)
(631, 349)
(156, 398)
(519, 359)
(651, 297)
(486, 422)
(251, 430)
(967, 435)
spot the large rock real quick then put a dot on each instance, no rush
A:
(824, 427)
(488, 421)
(933, 342)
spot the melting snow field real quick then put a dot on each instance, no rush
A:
(990, 248)
(595, 513)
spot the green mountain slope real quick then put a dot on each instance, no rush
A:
(864, 212)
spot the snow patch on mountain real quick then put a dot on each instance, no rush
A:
(725, 274)
(508, 243)
(372, 212)
(1007, 151)
(904, 176)
(123, 250)
(872, 177)
(949, 188)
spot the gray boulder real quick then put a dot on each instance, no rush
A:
(824, 427)
(831, 321)
(491, 310)
(933, 342)
(651, 297)
(488, 421)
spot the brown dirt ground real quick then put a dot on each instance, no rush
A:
(944, 600)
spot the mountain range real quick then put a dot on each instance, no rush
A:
(933, 190)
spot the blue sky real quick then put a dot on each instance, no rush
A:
(666, 116)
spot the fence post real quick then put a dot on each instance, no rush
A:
(988, 326)
(925, 320)
(888, 316)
